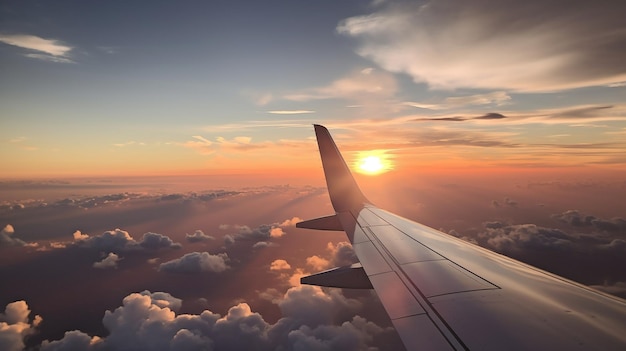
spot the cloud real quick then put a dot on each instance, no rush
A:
(262, 234)
(49, 58)
(229, 240)
(148, 321)
(196, 262)
(48, 49)
(318, 263)
(510, 203)
(108, 262)
(341, 254)
(48, 46)
(198, 236)
(155, 241)
(290, 222)
(363, 85)
(577, 219)
(509, 239)
(497, 98)
(7, 239)
(290, 112)
(449, 44)
(262, 245)
(15, 326)
(279, 265)
(208, 147)
(79, 236)
(118, 239)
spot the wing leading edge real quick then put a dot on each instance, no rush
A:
(442, 293)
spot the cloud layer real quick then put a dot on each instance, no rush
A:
(148, 321)
(523, 46)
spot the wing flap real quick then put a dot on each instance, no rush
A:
(349, 277)
(323, 223)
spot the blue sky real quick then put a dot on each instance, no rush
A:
(199, 84)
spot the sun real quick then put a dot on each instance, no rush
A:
(372, 163)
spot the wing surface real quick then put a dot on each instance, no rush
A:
(442, 293)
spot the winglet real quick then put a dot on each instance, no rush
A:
(345, 194)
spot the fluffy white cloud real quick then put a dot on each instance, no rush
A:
(290, 222)
(120, 240)
(524, 46)
(197, 262)
(318, 263)
(198, 236)
(148, 321)
(15, 325)
(108, 262)
(279, 265)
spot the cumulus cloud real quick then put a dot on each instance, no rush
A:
(318, 263)
(511, 238)
(110, 261)
(341, 254)
(148, 321)
(527, 240)
(577, 219)
(262, 234)
(279, 265)
(15, 326)
(507, 44)
(155, 241)
(79, 236)
(7, 239)
(262, 244)
(229, 240)
(118, 239)
(198, 236)
(290, 222)
(195, 262)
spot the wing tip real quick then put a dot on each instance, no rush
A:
(344, 192)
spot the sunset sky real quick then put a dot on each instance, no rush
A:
(157, 155)
(155, 87)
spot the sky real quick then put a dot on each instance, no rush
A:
(157, 156)
(156, 87)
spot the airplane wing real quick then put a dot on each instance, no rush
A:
(442, 293)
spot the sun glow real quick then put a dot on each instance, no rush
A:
(373, 162)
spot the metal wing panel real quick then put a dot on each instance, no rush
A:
(490, 302)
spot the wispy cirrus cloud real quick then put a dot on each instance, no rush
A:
(362, 85)
(449, 44)
(572, 115)
(290, 112)
(497, 98)
(45, 49)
